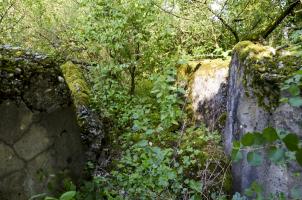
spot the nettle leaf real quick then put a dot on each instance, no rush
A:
(295, 101)
(299, 156)
(291, 141)
(276, 155)
(294, 90)
(270, 134)
(248, 139)
(254, 158)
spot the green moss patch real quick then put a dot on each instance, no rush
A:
(76, 82)
(265, 69)
(205, 67)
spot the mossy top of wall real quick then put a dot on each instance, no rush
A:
(45, 85)
(266, 68)
(202, 67)
(76, 82)
(207, 67)
(206, 82)
(23, 73)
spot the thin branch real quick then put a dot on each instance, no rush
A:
(170, 13)
(235, 34)
(6, 11)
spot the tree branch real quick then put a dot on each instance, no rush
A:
(235, 34)
(6, 11)
(279, 19)
(170, 13)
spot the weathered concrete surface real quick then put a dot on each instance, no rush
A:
(252, 107)
(43, 131)
(41, 151)
(207, 83)
(208, 92)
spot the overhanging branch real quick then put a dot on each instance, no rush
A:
(279, 19)
(235, 34)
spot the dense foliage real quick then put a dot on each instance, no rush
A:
(132, 49)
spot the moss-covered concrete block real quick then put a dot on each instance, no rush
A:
(40, 135)
(256, 74)
(76, 82)
(206, 83)
(265, 69)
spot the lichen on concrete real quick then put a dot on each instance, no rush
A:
(256, 74)
(265, 69)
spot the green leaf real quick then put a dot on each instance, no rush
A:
(68, 195)
(284, 100)
(276, 155)
(270, 134)
(236, 145)
(50, 198)
(295, 101)
(196, 185)
(236, 155)
(291, 141)
(294, 90)
(149, 131)
(248, 139)
(299, 156)
(255, 188)
(142, 143)
(258, 138)
(254, 158)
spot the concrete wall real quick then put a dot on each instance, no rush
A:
(35, 146)
(252, 105)
(208, 91)
(40, 139)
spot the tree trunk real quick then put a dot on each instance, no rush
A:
(132, 84)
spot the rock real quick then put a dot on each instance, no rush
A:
(252, 105)
(40, 172)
